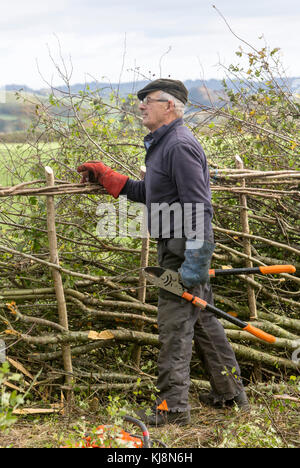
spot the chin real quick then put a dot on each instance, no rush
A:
(146, 123)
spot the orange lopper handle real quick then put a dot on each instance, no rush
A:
(265, 270)
(260, 334)
(196, 301)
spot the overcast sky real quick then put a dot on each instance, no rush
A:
(106, 40)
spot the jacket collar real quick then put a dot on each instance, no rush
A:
(153, 138)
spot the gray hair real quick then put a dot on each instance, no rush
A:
(179, 106)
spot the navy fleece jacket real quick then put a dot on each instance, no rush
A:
(176, 173)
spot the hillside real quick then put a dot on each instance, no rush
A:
(16, 115)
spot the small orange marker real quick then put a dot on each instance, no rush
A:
(163, 406)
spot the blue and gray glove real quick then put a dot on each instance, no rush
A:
(195, 268)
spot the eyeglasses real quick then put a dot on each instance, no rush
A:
(147, 100)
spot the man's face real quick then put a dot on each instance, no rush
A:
(154, 113)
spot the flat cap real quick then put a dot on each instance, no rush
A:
(174, 87)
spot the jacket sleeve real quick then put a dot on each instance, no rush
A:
(135, 190)
(187, 166)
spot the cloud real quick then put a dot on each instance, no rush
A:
(98, 34)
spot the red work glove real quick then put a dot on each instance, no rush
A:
(95, 171)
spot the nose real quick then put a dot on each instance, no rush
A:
(142, 105)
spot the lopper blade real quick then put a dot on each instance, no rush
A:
(165, 279)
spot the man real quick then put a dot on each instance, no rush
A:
(177, 175)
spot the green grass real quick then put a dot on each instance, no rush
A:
(8, 117)
(17, 159)
(271, 424)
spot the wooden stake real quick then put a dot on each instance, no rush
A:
(58, 285)
(246, 241)
(137, 350)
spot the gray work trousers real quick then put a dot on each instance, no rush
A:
(179, 323)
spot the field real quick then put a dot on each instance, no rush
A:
(11, 172)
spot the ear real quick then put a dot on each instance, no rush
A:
(170, 106)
